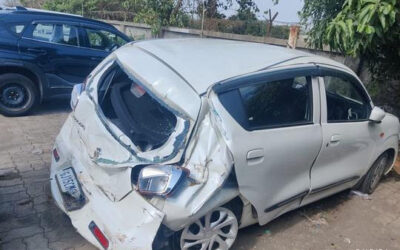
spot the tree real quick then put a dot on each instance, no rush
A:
(370, 28)
(247, 11)
(213, 7)
(156, 13)
(315, 16)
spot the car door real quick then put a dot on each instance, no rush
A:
(55, 47)
(274, 133)
(348, 137)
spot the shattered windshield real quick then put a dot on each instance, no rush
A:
(134, 111)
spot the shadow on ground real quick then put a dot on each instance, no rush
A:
(52, 107)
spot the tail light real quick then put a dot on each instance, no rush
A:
(76, 92)
(56, 155)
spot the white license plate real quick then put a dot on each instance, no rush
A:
(68, 184)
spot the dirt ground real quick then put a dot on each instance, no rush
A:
(29, 218)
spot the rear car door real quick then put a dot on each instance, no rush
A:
(274, 135)
(100, 42)
(348, 137)
(55, 47)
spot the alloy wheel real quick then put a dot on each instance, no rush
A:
(216, 230)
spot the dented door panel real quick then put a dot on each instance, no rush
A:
(265, 157)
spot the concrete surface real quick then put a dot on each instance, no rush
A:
(30, 220)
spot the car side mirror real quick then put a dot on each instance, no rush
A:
(377, 115)
(76, 91)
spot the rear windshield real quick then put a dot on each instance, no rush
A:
(134, 111)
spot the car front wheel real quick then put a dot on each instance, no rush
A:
(216, 230)
(374, 175)
(18, 94)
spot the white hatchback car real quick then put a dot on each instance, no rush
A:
(179, 143)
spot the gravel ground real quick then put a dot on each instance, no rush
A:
(29, 218)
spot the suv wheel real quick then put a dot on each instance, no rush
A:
(18, 94)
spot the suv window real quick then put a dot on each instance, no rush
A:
(278, 103)
(345, 102)
(103, 40)
(56, 33)
(16, 28)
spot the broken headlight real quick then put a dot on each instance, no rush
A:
(159, 180)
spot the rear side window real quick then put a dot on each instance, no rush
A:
(345, 102)
(56, 33)
(278, 103)
(43, 32)
(270, 103)
(103, 40)
(16, 28)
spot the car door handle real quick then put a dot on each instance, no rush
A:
(335, 139)
(94, 58)
(255, 156)
(37, 51)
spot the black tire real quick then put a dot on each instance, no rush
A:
(374, 175)
(18, 94)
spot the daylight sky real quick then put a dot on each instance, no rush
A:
(287, 9)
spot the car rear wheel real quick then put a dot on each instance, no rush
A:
(18, 95)
(216, 230)
(374, 175)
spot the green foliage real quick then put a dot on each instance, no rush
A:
(246, 12)
(362, 25)
(156, 13)
(370, 28)
(316, 16)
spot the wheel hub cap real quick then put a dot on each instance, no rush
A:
(216, 230)
(13, 95)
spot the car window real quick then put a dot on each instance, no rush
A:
(56, 33)
(16, 28)
(278, 103)
(345, 102)
(43, 32)
(103, 40)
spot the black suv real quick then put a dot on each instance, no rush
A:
(43, 54)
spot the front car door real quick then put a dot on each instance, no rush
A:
(348, 137)
(273, 130)
(55, 47)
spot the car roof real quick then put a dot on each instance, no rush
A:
(22, 13)
(204, 62)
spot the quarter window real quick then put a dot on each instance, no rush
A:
(103, 40)
(278, 103)
(17, 28)
(345, 102)
(56, 33)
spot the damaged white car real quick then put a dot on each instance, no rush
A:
(179, 143)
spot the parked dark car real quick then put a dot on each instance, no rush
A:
(43, 54)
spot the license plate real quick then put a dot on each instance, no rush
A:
(70, 188)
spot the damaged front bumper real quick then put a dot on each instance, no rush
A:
(131, 223)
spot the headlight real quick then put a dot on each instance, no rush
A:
(159, 180)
